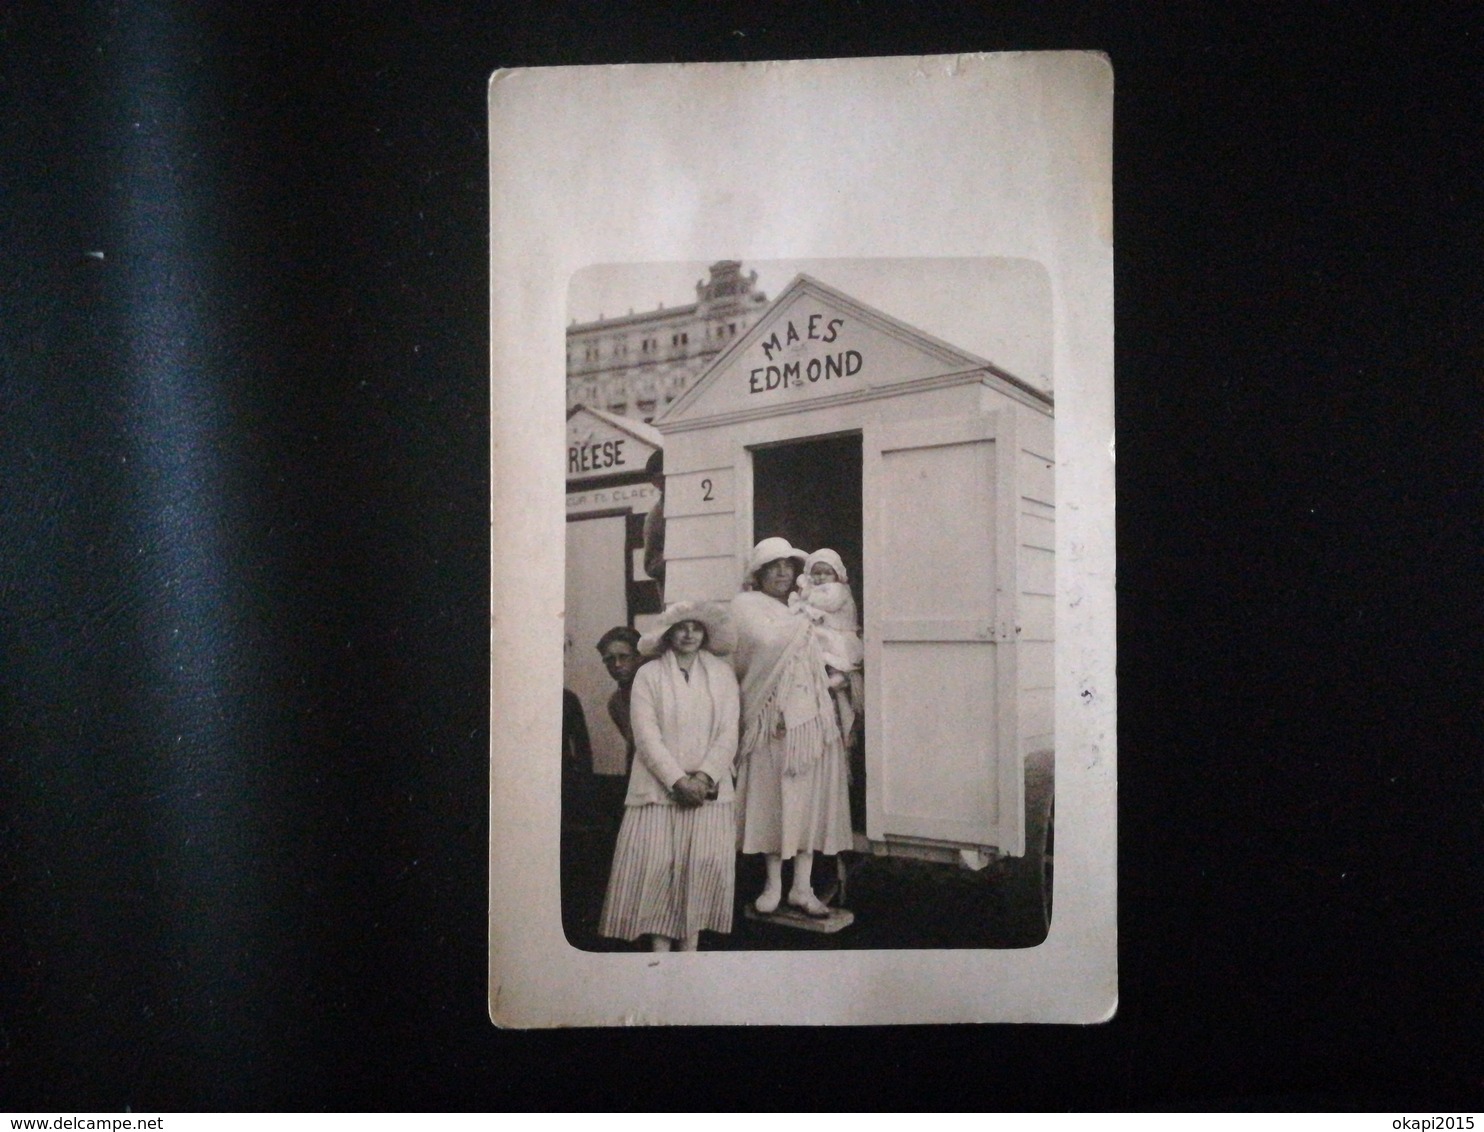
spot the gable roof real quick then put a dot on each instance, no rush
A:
(646, 433)
(930, 353)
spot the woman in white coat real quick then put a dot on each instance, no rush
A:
(674, 868)
(792, 776)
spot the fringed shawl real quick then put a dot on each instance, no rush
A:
(785, 693)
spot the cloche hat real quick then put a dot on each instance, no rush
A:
(770, 550)
(720, 633)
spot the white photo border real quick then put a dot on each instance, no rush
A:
(945, 157)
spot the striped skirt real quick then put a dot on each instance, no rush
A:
(674, 872)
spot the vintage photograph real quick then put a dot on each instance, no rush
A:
(810, 561)
(803, 698)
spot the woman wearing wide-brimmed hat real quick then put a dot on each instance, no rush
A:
(793, 795)
(674, 868)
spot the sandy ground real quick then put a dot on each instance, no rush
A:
(897, 903)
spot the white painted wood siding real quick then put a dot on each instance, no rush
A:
(1036, 600)
(933, 658)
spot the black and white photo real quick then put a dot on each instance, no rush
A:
(770, 455)
(802, 556)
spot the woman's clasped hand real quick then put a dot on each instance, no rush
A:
(692, 789)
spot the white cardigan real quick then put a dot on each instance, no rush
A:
(681, 727)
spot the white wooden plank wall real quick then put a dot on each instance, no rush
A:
(1036, 614)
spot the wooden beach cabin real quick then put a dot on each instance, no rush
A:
(931, 471)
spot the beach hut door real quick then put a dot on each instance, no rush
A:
(934, 657)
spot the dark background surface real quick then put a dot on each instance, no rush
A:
(243, 564)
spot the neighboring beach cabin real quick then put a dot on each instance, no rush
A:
(931, 472)
(608, 495)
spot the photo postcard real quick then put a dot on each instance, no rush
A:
(802, 584)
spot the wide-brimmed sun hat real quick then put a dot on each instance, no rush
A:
(720, 633)
(771, 550)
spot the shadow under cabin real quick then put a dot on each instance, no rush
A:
(931, 471)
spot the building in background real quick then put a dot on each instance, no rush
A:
(635, 365)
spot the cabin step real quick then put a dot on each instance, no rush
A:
(786, 917)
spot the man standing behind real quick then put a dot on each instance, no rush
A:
(593, 804)
(619, 648)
